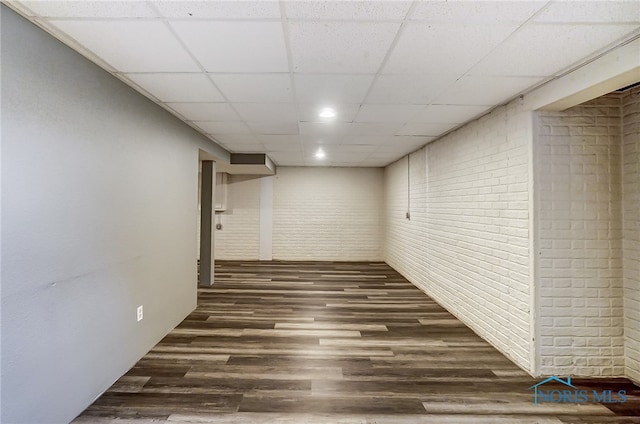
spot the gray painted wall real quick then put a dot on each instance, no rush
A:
(99, 212)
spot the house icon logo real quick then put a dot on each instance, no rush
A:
(572, 394)
(536, 387)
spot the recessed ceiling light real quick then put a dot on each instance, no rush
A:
(320, 154)
(327, 112)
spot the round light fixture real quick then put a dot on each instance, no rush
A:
(320, 154)
(327, 113)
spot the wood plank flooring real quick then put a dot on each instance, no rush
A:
(322, 342)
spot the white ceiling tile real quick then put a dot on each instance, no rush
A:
(386, 158)
(286, 158)
(373, 128)
(472, 90)
(340, 47)
(453, 114)
(348, 158)
(226, 127)
(321, 139)
(311, 160)
(330, 152)
(292, 162)
(259, 88)
(354, 10)
(273, 127)
(131, 46)
(235, 46)
(275, 141)
(331, 89)
(364, 139)
(607, 11)
(535, 50)
(482, 12)
(283, 147)
(348, 128)
(357, 148)
(339, 163)
(267, 111)
(401, 143)
(411, 140)
(344, 112)
(219, 9)
(205, 111)
(389, 156)
(411, 89)
(387, 113)
(91, 9)
(328, 148)
(452, 49)
(323, 128)
(178, 87)
(235, 139)
(423, 129)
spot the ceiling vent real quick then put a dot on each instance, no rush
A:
(248, 164)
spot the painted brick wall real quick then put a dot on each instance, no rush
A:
(467, 242)
(328, 214)
(631, 232)
(239, 238)
(406, 245)
(580, 239)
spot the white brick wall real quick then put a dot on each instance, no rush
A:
(631, 233)
(328, 214)
(239, 238)
(467, 243)
(318, 214)
(580, 240)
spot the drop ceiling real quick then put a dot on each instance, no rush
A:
(254, 75)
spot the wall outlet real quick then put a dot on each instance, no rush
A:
(140, 313)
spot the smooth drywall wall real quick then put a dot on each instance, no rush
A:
(329, 214)
(239, 235)
(631, 229)
(99, 212)
(579, 187)
(467, 242)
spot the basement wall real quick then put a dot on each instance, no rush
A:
(328, 214)
(580, 239)
(631, 229)
(319, 214)
(239, 238)
(99, 212)
(466, 243)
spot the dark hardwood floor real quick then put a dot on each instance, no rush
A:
(320, 342)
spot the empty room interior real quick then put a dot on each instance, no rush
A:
(320, 212)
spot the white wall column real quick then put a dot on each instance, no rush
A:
(266, 218)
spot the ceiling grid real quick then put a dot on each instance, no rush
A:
(255, 75)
